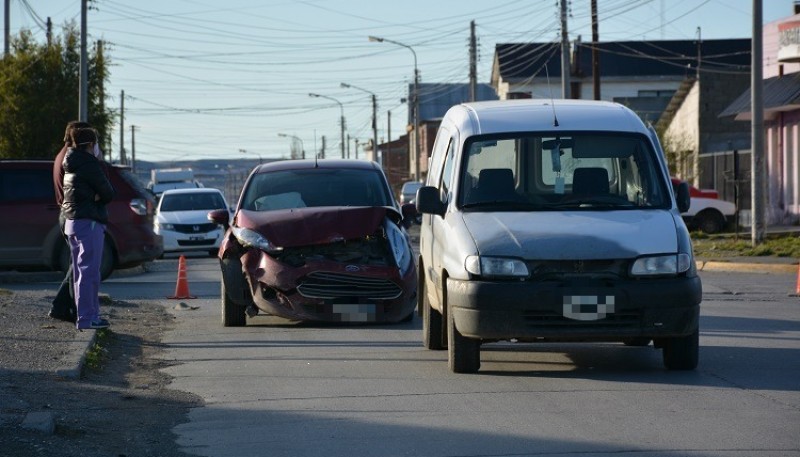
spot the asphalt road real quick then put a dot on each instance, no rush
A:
(275, 388)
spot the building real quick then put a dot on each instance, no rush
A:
(781, 119)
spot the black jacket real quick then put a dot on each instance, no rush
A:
(84, 178)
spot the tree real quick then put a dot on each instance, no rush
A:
(39, 94)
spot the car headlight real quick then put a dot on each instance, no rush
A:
(165, 226)
(398, 242)
(661, 265)
(496, 267)
(252, 239)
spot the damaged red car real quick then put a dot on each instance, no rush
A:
(317, 241)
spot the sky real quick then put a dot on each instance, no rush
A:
(206, 79)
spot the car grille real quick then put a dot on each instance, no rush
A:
(335, 285)
(195, 228)
(559, 269)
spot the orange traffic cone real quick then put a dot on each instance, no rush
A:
(182, 286)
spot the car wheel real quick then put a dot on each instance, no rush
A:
(463, 354)
(681, 353)
(710, 221)
(432, 334)
(233, 315)
(107, 261)
(637, 342)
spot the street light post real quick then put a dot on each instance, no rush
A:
(415, 102)
(341, 107)
(376, 157)
(302, 148)
(245, 151)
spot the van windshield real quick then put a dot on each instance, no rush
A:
(572, 170)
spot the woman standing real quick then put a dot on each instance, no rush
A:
(87, 190)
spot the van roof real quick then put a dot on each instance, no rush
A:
(538, 115)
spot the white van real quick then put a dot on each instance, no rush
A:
(554, 220)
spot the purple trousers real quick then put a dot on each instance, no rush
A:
(86, 247)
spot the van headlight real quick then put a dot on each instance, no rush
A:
(252, 239)
(661, 265)
(496, 267)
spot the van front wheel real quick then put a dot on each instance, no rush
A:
(682, 353)
(463, 354)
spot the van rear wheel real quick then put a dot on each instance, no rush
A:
(463, 354)
(432, 334)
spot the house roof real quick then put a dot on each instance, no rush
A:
(624, 58)
(780, 93)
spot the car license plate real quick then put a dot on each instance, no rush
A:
(588, 307)
(355, 312)
(196, 238)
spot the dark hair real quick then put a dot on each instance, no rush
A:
(71, 126)
(83, 136)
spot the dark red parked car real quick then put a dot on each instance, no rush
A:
(30, 236)
(317, 241)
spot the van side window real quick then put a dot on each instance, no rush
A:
(447, 173)
(437, 156)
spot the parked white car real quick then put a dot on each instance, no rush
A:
(181, 219)
(708, 212)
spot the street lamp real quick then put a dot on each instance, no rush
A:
(341, 107)
(296, 138)
(374, 120)
(245, 151)
(415, 104)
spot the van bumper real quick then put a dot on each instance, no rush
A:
(616, 310)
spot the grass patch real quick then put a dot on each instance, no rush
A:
(97, 353)
(709, 246)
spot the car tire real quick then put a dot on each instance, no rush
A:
(710, 221)
(463, 354)
(432, 334)
(106, 262)
(637, 341)
(682, 353)
(233, 315)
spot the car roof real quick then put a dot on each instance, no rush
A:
(541, 114)
(308, 164)
(192, 190)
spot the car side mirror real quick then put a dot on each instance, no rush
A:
(409, 211)
(428, 201)
(220, 216)
(682, 196)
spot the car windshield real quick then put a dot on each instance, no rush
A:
(192, 202)
(592, 171)
(288, 189)
(410, 188)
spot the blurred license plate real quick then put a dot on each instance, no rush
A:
(355, 312)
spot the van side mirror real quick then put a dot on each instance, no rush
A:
(428, 201)
(682, 196)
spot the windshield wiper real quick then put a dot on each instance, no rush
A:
(604, 202)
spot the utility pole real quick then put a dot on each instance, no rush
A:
(322, 152)
(595, 53)
(696, 155)
(757, 180)
(388, 134)
(473, 62)
(133, 148)
(565, 67)
(122, 128)
(7, 32)
(348, 146)
(377, 157)
(355, 148)
(83, 97)
(101, 93)
(49, 33)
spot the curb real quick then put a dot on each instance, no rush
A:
(72, 363)
(711, 265)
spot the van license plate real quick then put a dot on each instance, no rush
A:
(588, 307)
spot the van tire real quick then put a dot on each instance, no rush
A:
(233, 315)
(681, 353)
(463, 354)
(432, 325)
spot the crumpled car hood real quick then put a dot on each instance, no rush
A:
(320, 225)
(573, 235)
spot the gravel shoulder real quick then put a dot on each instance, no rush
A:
(119, 406)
